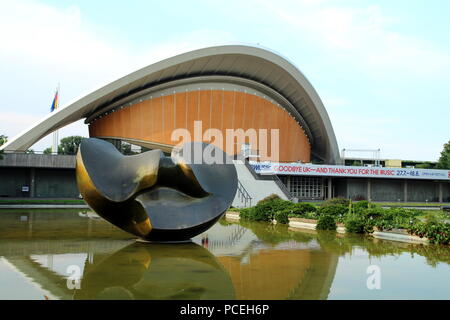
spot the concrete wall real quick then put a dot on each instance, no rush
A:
(357, 189)
(55, 183)
(423, 191)
(386, 190)
(48, 183)
(12, 180)
(29, 160)
(446, 191)
(392, 190)
(257, 189)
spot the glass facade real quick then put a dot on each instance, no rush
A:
(304, 187)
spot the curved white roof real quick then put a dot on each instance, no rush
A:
(248, 63)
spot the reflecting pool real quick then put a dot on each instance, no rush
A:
(69, 254)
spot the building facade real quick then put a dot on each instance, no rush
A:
(209, 93)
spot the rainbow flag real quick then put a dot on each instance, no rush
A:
(55, 102)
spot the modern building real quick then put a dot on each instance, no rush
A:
(222, 88)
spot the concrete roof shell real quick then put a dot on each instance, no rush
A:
(248, 63)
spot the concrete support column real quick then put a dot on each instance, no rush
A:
(369, 189)
(441, 193)
(32, 182)
(330, 188)
(405, 190)
(322, 193)
(346, 191)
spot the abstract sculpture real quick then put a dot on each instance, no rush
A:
(155, 197)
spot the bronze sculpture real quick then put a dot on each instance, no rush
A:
(155, 197)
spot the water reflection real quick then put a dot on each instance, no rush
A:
(156, 271)
(230, 261)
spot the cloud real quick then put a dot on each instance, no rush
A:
(15, 120)
(334, 102)
(362, 36)
(358, 61)
(41, 46)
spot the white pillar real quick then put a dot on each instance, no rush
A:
(330, 188)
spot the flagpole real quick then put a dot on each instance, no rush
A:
(56, 133)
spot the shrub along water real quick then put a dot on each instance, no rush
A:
(358, 217)
(338, 211)
(357, 224)
(336, 201)
(436, 232)
(266, 210)
(326, 222)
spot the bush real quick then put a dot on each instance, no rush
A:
(333, 210)
(374, 213)
(246, 213)
(436, 232)
(357, 224)
(283, 216)
(271, 197)
(258, 213)
(326, 222)
(300, 209)
(431, 217)
(361, 205)
(336, 201)
(266, 210)
(307, 215)
(393, 218)
(311, 215)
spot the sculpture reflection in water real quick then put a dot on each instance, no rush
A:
(156, 271)
(153, 196)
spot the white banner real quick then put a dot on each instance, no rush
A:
(348, 171)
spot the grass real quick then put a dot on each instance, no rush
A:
(42, 201)
(40, 210)
(412, 204)
(439, 214)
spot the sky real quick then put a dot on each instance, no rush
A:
(381, 68)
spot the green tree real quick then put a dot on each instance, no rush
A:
(3, 140)
(425, 165)
(48, 150)
(69, 145)
(444, 160)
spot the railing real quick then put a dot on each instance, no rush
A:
(282, 186)
(243, 195)
(272, 177)
(231, 240)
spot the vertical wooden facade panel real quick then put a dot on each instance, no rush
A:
(216, 109)
(191, 112)
(180, 109)
(155, 119)
(146, 120)
(228, 103)
(205, 96)
(169, 125)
